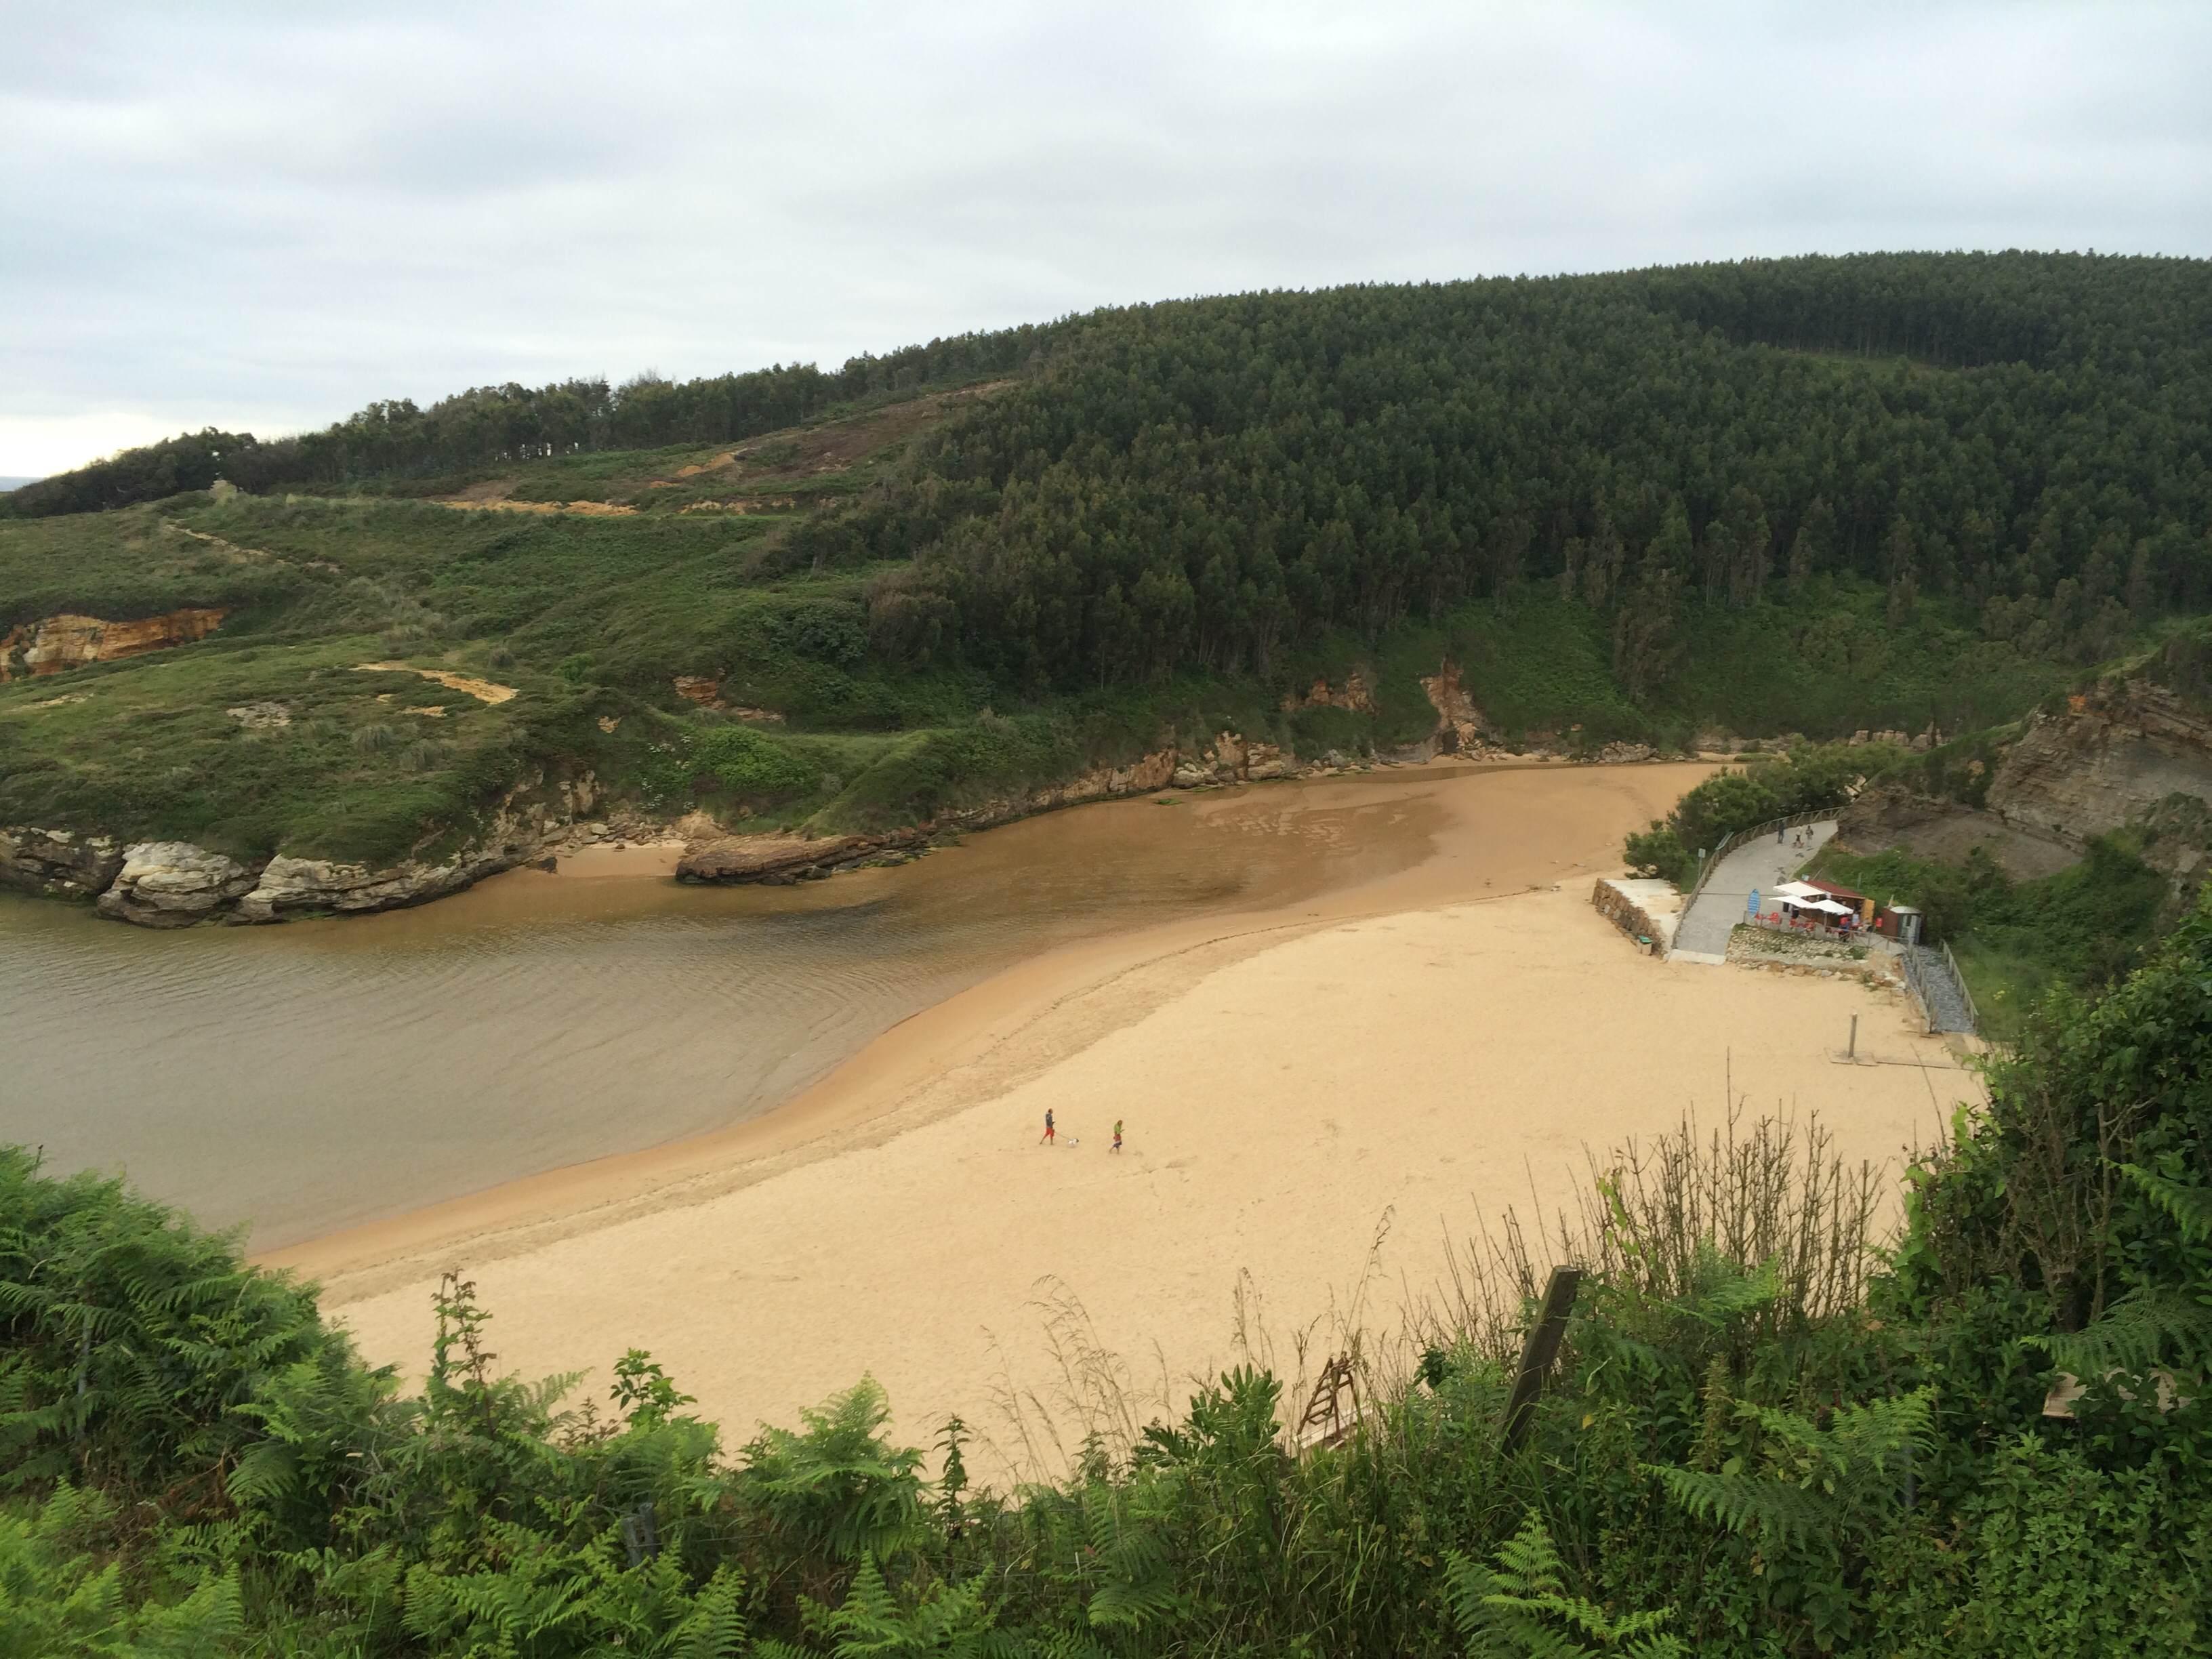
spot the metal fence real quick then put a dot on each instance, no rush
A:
(1916, 980)
(1918, 984)
(1796, 820)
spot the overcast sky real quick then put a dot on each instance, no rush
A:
(264, 215)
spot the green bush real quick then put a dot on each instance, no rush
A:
(749, 764)
(1659, 852)
(1734, 800)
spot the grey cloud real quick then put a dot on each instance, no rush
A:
(265, 215)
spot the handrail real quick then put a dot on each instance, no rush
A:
(1735, 838)
(1973, 1014)
(1914, 983)
(1705, 871)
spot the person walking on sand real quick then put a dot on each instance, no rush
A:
(1117, 1135)
(1048, 1134)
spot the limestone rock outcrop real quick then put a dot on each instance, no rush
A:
(779, 861)
(289, 887)
(58, 861)
(173, 883)
(2128, 752)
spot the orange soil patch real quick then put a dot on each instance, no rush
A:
(482, 690)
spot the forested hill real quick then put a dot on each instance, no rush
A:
(1199, 484)
(1204, 482)
(1806, 494)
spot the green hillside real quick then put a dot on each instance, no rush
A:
(1811, 496)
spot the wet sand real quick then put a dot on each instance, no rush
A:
(1397, 1055)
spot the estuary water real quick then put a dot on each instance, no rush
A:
(313, 1076)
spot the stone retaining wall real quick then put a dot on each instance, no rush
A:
(1640, 908)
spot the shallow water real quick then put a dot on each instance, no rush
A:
(318, 1074)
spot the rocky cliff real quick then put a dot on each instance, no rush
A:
(1893, 815)
(2110, 757)
(71, 641)
(2128, 754)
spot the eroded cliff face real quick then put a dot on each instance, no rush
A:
(69, 641)
(1356, 694)
(2127, 754)
(2114, 754)
(1890, 815)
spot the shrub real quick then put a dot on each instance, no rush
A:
(1659, 852)
(425, 755)
(747, 763)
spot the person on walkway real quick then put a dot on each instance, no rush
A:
(1048, 1134)
(1780, 829)
(1117, 1135)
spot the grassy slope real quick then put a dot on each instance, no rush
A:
(591, 617)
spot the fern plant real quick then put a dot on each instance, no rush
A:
(951, 1621)
(54, 1600)
(1829, 1483)
(838, 1490)
(1137, 1583)
(2154, 1324)
(1521, 1608)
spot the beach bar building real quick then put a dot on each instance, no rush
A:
(1819, 907)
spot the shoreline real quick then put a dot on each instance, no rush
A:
(880, 1091)
(173, 884)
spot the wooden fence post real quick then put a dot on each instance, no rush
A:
(1538, 1353)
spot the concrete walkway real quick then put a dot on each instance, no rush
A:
(1702, 935)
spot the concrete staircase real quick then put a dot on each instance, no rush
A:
(1939, 991)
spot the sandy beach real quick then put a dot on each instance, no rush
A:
(1401, 1059)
